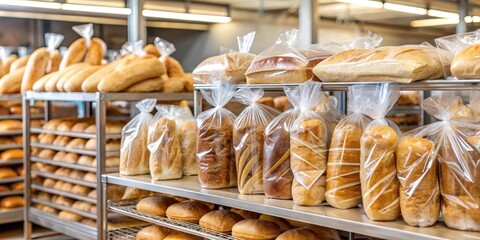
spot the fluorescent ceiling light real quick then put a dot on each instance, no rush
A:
(96, 9)
(442, 14)
(186, 16)
(366, 3)
(443, 21)
(32, 4)
(405, 8)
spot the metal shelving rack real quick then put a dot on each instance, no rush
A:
(91, 100)
(353, 221)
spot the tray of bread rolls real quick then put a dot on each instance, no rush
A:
(66, 178)
(78, 165)
(74, 150)
(63, 193)
(124, 233)
(74, 134)
(10, 132)
(11, 162)
(74, 208)
(11, 179)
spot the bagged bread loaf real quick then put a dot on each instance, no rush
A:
(248, 140)
(188, 134)
(85, 49)
(343, 165)
(134, 155)
(164, 143)
(309, 146)
(172, 66)
(53, 41)
(227, 67)
(277, 174)
(215, 155)
(380, 186)
(402, 64)
(35, 69)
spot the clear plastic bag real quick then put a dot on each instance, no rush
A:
(308, 146)
(229, 67)
(164, 142)
(343, 165)
(380, 186)
(463, 48)
(277, 174)
(328, 109)
(165, 48)
(135, 48)
(248, 140)
(134, 155)
(53, 41)
(215, 154)
(403, 64)
(86, 32)
(457, 147)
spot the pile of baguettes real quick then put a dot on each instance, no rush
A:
(84, 69)
(240, 223)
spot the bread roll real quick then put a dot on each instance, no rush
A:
(134, 155)
(409, 98)
(165, 155)
(220, 220)
(71, 158)
(65, 172)
(419, 188)
(80, 127)
(153, 232)
(10, 125)
(298, 234)
(77, 143)
(253, 229)
(6, 172)
(282, 223)
(11, 82)
(90, 177)
(48, 183)
(11, 154)
(308, 160)
(245, 214)
(18, 139)
(96, 51)
(148, 85)
(19, 63)
(66, 215)
(155, 205)
(4, 188)
(35, 68)
(82, 206)
(58, 185)
(52, 124)
(11, 202)
(67, 187)
(111, 128)
(75, 53)
(85, 160)
(44, 196)
(131, 193)
(77, 174)
(323, 232)
(64, 201)
(66, 125)
(343, 167)
(61, 141)
(18, 186)
(47, 138)
(109, 162)
(181, 236)
(80, 190)
(190, 211)
(111, 145)
(380, 186)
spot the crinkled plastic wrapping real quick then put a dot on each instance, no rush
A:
(277, 174)
(229, 67)
(165, 144)
(164, 47)
(457, 141)
(328, 109)
(402, 64)
(134, 154)
(53, 41)
(248, 140)
(308, 146)
(85, 31)
(343, 165)
(215, 154)
(135, 48)
(378, 174)
(463, 48)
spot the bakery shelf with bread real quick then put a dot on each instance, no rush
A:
(64, 178)
(86, 214)
(73, 150)
(80, 165)
(64, 193)
(11, 215)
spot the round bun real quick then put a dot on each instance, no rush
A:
(187, 211)
(254, 229)
(220, 220)
(282, 223)
(181, 236)
(296, 224)
(324, 232)
(298, 234)
(153, 232)
(156, 205)
(245, 214)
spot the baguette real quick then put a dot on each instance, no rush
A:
(130, 74)
(74, 83)
(149, 85)
(69, 74)
(35, 69)
(96, 51)
(173, 67)
(8, 63)
(51, 85)
(152, 50)
(39, 85)
(54, 63)
(90, 84)
(75, 53)
(11, 82)
(173, 85)
(20, 62)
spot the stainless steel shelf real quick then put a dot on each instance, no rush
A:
(72, 165)
(11, 133)
(73, 150)
(70, 228)
(10, 193)
(74, 134)
(414, 109)
(11, 180)
(11, 162)
(11, 215)
(124, 233)
(351, 220)
(61, 207)
(439, 84)
(90, 97)
(10, 97)
(127, 207)
(65, 194)
(19, 117)
(10, 146)
(65, 179)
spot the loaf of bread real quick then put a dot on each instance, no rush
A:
(308, 142)
(96, 51)
(464, 63)
(189, 211)
(64, 201)
(417, 174)
(47, 138)
(230, 67)
(165, 150)
(323, 232)
(35, 68)
(181, 236)
(65, 172)
(19, 63)
(66, 125)
(77, 143)
(343, 165)
(10, 125)
(282, 223)
(134, 155)
(18, 186)
(298, 234)
(70, 158)
(11, 202)
(67, 73)
(409, 98)
(155, 205)
(55, 60)
(109, 162)
(48, 183)
(82, 206)
(220, 220)
(7, 62)
(380, 186)
(173, 85)
(61, 141)
(58, 185)
(153, 232)
(6, 172)
(90, 177)
(66, 215)
(80, 190)
(11, 154)
(11, 82)
(187, 136)
(85, 160)
(74, 83)
(77, 174)
(75, 53)
(254, 229)
(80, 127)
(148, 85)
(66, 187)
(52, 124)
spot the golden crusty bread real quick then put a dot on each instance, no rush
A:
(254, 229)
(35, 68)
(96, 51)
(75, 53)
(220, 220)
(245, 214)
(11, 82)
(190, 211)
(298, 234)
(282, 223)
(149, 85)
(230, 67)
(153, 232)
(74, 83)
(20, 62)
(151, 49)
(181, 236)
(155, 205)
(465, 63)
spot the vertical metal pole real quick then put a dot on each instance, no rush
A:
(137, 29)
(308, 21)
(101, 120)
(27, 225)
(48, 111)
(351, 236)
(462, 12)
(197, 102)
(342, 101)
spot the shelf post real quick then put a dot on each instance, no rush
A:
(26, 115)
(137, 30)
(308, 21)
(101, 122)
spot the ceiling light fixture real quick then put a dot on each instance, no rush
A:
(366, 3)
(405, 8)
(32, 4)
(96, 9)
(186, 16)
(443, 21)
(442, 14)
